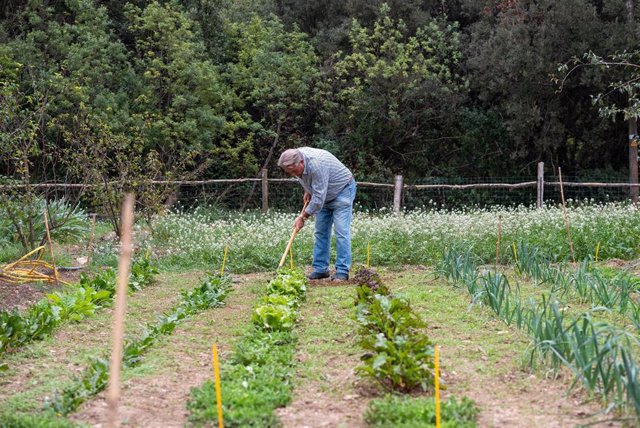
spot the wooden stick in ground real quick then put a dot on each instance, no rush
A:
(124, 265)
(566, 217)
(293, 235)
(498, 242)
(53, 260)
(91, 238)
(286, 250)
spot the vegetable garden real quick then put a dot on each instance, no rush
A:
(519, 332)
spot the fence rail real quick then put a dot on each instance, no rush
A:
(239, 192)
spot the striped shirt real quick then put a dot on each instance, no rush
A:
(324, 177)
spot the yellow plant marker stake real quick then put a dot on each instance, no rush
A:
(437, 382)
(224, 259)
(291, 256)
(368, 254)
(597, 251)
(216, 373)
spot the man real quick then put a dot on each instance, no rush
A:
(330, 189)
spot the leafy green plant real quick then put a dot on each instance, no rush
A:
(398, 354)
(289, 282)
(256, 381)
(143, 271)
(270, 316)
(73, 304)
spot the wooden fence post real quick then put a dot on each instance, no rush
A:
(265, 191)
(540, 197)
(633, 159)
(397, 194)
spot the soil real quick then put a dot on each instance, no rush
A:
(22, 296)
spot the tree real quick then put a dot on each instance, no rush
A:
(273, 72)
(514, 47)
(393, 98)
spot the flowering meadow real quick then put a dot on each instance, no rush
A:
(256, 241)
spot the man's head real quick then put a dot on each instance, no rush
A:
(292, 162)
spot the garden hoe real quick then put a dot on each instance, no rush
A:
(293, 235)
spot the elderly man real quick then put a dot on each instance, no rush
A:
(330, 189)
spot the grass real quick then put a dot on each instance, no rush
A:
(325, 348)
(459, 328)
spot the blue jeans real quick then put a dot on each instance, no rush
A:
(337, 212)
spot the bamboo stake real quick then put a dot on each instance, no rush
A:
(566, 217)
(291, 257)
(216, 374)
(91, 238)
(124, 265)
(498, 242)
(437, 384)
(368, 254)
(53, 260)
(293, 235)
(224, 259)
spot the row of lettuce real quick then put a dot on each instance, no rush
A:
(601, 354)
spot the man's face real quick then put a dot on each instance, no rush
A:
(295, 170)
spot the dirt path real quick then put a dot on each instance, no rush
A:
(482, 359)
(155, 393)
(326, 393)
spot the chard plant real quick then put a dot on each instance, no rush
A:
(398, 354)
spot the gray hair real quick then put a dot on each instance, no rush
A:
(290, 157)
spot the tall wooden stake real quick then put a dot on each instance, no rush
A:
(566, 217)
(53, 260)
(124, 265)
(91, 238)
(498, 241)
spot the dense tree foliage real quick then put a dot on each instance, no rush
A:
(132, 90)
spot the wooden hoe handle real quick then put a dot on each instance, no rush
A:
(293, 235)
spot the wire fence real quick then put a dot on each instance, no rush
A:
(429, 193)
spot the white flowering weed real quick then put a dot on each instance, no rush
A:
(256, 241)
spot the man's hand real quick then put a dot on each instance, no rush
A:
(299, 223)
(306, 198)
